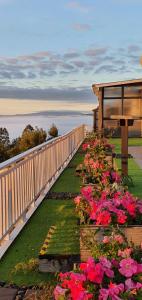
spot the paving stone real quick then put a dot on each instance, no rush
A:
(136, 151)
(8, 294)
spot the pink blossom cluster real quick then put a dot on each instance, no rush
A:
(97, 144)
(100, 280)
(118, 208)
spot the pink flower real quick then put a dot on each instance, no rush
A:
(125, 253)
(106, 265)
(130, 284)
(106, 239)
(58, 292)
(113, 291)
(116, 177)
(87, 192)
(94, 272)
(139, 268)
(77, 200)
(121, 217)
(119, 238)
(85, 146)
(115, 262)
(131, 209)
(103, 218)
(128, 267)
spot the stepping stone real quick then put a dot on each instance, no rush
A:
(8, 293)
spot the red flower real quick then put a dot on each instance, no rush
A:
(103, 218)
(121, 217)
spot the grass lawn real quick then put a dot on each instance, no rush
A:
(51, 212)
(134, 170)
(68, 182)
(131, 142)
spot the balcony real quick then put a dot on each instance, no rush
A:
(54, 209)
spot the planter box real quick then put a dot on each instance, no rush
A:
(132, 233)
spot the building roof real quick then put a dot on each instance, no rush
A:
(97, 86)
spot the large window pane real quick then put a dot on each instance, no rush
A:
(112, 127)
(112, 92)
(112, 107)
(132, 107)
(136, 129)
(133, 91)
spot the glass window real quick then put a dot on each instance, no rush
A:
(112, 127)
(112, 107)
(132, 107)
(133, 91)
(135, 130)
(112, 92)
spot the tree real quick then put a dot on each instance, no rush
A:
(4, 137)
(3, 153)
(32, 138)
(53, 131)
(29, 127)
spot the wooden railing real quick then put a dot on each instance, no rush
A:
(25, 176)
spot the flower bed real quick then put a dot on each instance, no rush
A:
(110, 232)
(102, 280)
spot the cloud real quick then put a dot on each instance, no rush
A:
(134, 48)
(71, 54)
(95, 51)
(75, 5)
(79, 94)
(46, 64)
(81, 27)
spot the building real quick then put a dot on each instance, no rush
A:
(119, 98)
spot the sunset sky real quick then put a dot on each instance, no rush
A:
(54, 50)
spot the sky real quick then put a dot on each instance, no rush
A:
(55, 50)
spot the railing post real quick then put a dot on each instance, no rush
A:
(9, 208)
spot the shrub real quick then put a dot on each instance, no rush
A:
(53, 131)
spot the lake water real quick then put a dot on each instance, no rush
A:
(64, 123)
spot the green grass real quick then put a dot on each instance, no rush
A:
(133, 169)
(136, 174)
(68, 182)
(131, 142)
(51, 212)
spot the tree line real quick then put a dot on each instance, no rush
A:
(29, 138)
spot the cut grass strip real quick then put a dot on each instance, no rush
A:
(28, 243)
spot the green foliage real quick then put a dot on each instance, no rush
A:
(3, 153)
(4, 137)
(4, 144)
(28, 128)
(53, 131)
(31, 138)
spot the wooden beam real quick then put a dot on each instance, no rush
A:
(100, 113)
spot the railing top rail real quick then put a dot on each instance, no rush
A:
(25, 154)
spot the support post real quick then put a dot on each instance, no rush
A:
(100, 113)
(124, 147)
